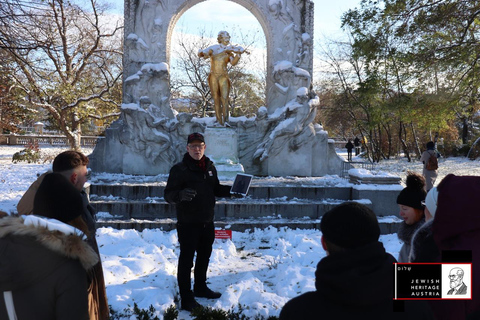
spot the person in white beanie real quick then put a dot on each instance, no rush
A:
(423, 247)
(431, 204)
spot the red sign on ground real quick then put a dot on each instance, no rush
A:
(223, 234)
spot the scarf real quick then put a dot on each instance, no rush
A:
(405, 232)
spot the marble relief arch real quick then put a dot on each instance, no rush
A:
(282, 140)
(287, 24)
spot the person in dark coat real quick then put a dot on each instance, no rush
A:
(456, 227)
(355, 279)
(356, 143)
(411, 208)
(423, 247)
(192, 186)
(349, 146)
(44, 262)
(73, 166)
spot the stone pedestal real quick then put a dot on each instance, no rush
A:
(222, 149)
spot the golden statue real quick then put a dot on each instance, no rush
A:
(220, 55)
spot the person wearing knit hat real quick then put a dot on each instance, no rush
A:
(58, 199)
(423, 247)
(355, 279)
(73, 166)
(410, 202)
(349, 225)
(431, 203)
(45, 263)
(456, 228)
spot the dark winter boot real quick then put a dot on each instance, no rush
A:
(205, 292)
(188, 302)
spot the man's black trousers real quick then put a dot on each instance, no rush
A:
(194, 237)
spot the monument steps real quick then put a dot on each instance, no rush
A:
(232, 208)
(240, 225)
(155, 190)
(142, 206)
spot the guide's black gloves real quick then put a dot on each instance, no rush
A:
(187, 194)
(237, 195)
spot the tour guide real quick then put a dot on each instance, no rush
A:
(192, 185)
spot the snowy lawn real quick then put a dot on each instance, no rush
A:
(261, 269)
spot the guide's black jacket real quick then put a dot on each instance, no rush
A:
(187, 174)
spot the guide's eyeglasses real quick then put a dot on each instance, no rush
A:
(196, 146)
(422, 203)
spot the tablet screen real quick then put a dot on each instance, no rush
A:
(241, 184)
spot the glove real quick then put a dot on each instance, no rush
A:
(187, 194)
(237, 195)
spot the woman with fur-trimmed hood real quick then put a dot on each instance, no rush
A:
(411, 211)
(44, 262)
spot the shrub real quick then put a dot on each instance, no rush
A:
(143, 314)
(462, 150)
(31, 154)
(207, 313)
(140, 314)
(171, 313)
(200, 313)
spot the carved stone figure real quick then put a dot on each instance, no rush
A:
(293, 121)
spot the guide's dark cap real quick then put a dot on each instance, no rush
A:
(350, 225)
(195, 136)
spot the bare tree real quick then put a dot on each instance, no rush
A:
(66, 58)
(12, 113)
(192, 71)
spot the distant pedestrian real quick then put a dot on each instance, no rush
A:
(410, 202)
(356, 142)
(429, 159)
(349, 146)
(364, 143)
(355, 279)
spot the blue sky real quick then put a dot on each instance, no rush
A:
(214, 14)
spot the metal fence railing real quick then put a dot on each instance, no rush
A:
(355, 165)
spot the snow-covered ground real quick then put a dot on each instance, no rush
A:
(261, 269)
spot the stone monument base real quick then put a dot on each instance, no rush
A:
(222, 149)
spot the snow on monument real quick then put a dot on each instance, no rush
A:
(281, 140)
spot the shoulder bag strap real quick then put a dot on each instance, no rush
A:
(7, 295)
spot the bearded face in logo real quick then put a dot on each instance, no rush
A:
(456, 277)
